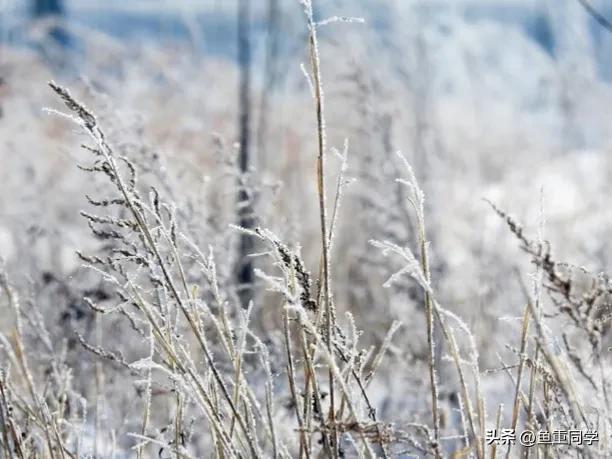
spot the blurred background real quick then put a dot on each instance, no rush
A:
(508, 100)
(487, 98)
(501, 99)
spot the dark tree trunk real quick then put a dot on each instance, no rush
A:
(43, 9)
(245, 209)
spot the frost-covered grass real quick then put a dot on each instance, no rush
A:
(394, 312)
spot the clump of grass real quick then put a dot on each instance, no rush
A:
(210, 383)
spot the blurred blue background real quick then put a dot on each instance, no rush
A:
(212, 23)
